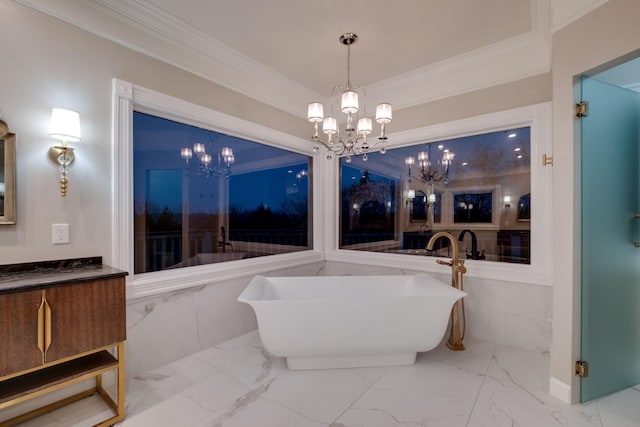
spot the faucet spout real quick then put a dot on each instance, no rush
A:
(474, 243)
(457, 270)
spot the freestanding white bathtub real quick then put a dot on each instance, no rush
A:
(350, 321)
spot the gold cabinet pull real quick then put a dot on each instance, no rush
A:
(41, 327)
(47, 326)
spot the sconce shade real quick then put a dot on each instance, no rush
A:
(65, 125)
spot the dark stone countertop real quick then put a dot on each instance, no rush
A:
(40, 274)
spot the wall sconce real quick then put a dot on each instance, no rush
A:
(65, 126)
(411, 194)
(507, 202)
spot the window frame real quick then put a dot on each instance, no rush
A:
(538, 118)
(128, 97)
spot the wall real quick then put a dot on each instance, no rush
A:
(606, 34)
(47, 63)
(53, 64)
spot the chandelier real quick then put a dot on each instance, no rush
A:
(208, 168)
(353, 141)
(431, 170)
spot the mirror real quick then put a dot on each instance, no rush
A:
(7, 175)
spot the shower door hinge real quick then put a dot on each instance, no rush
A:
(582, 109)
(547, 160)
(582, 368)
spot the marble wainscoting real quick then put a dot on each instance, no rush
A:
(164, 328)
(498, 311)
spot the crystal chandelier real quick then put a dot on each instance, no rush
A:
(353, 141)
(219, 169)
(431, 170)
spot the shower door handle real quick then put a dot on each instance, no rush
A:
(636, 216)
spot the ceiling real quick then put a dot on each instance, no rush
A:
(286, 52)
(299, 39)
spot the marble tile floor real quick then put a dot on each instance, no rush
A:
(237, 384)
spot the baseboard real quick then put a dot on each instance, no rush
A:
(560, 390)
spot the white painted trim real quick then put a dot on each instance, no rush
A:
(126, 97)
(560, 390)
(573, 10)
(538, 117)
(141, 26)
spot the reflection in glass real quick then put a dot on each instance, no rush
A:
(458, 184)
(472, 207)
(204, 197)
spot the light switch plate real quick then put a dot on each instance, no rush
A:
(60, 234)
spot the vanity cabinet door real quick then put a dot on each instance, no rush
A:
(19, 331)
(86, 316)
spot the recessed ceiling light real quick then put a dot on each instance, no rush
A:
(465, 164)
(516, 149)
(519, 156)
(512, 135)
(289, 171)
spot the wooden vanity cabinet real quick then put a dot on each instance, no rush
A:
(58, 335)
(85, 317)
(19, 331)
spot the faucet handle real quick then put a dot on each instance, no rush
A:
(443, 262)
(461, 267)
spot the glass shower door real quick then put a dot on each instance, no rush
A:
(610, 335)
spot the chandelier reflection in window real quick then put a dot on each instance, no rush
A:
(217, 165)
(431, 168)
(353, 141)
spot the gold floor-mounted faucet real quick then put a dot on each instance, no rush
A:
(457, 270)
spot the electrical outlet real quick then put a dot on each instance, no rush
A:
(60, 234)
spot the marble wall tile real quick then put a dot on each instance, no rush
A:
(497, 311)
(168, 327)
(509, 313)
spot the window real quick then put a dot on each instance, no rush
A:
(204, 197)
(462, 185)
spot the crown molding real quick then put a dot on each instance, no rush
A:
(564, 12)
(139, 25)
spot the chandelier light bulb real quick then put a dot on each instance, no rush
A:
(383, 113)
(186, 153)
(330, 125)
(349, 104)
(315, 113)
(198, 148)
(365, 126)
